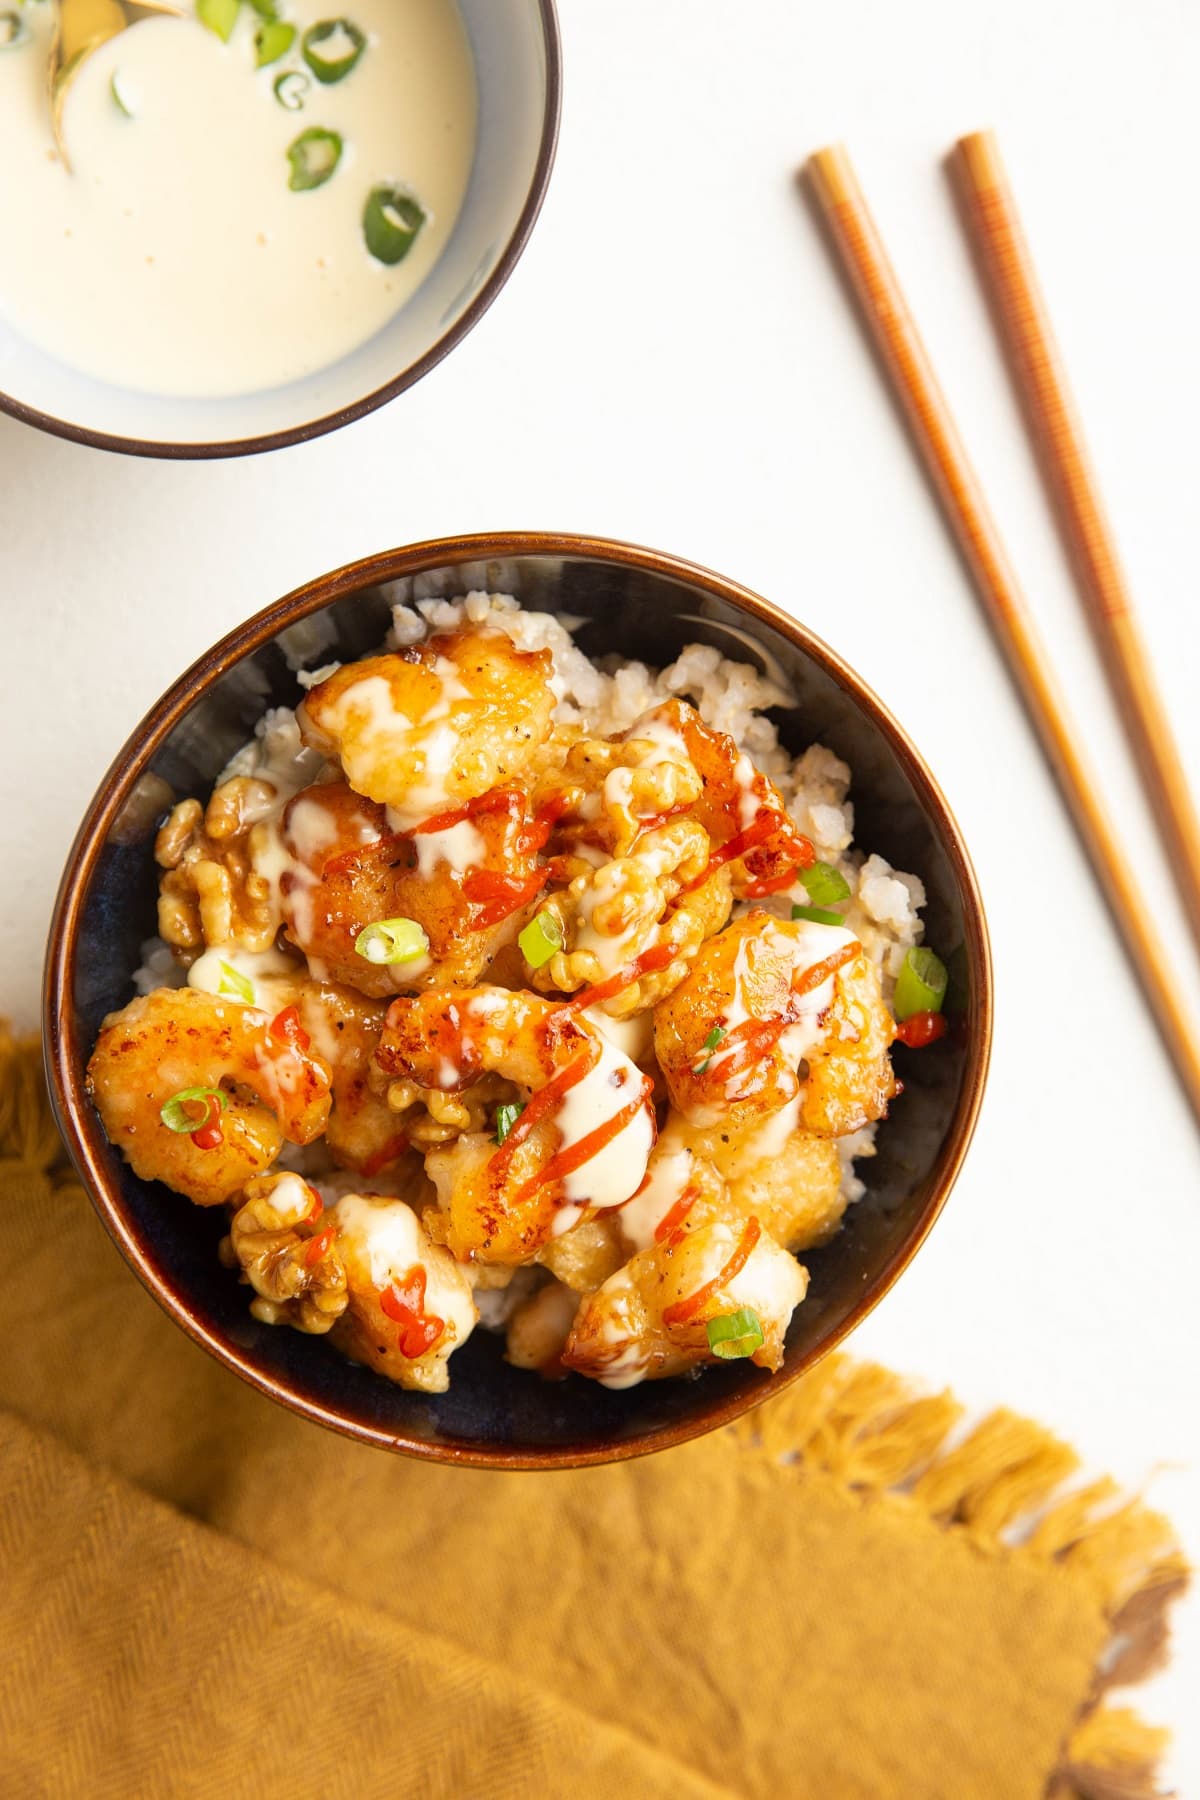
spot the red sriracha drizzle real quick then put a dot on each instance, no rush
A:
(404, 1301)
(921, 1028)
(683, 1310)
(287, 1025)
(208, 1134)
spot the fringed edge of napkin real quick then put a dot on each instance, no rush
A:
(1004, 1484)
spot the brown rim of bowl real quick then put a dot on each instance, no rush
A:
(65, 1058)
(346, 415)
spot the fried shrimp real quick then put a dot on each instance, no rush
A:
(741, 810)
(584, 1130)
(662, 1313)
(761, 1000)
(177, 1040)
(467, 878)
(436, 725)
(790, 1179)
(410, 1305)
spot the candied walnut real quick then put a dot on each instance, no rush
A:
(290, 1260)
(211, 893)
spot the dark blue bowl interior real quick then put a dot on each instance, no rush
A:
(638, 612)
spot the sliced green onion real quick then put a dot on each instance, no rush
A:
(174, 1113)
(314, 155)
(233, 982)
(823, 884)
(219, 15)
(272, 40)
(920, 985)
(331, 48)
(506, 1118)
(266, 9)
(13, 30)
(290, 89)
(541, 939)
(392, 941)
(710, 1043)
(735, 1334)
(391, 220)
(817, 915)
(120, 98)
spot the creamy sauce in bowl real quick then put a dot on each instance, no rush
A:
(172, 255)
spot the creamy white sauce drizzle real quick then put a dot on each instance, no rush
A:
(173, 257)
(269, 972)
(615, 1171)
(460, 846)
(806, 945)
(383, 1239)
(291, 1198)
(640, 1217)
(374, 730)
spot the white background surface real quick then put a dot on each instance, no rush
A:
(673, 362)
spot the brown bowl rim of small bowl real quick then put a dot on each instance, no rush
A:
(201, 451)
(66, 1058)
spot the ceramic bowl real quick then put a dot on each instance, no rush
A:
(515, 46)
(646, 606)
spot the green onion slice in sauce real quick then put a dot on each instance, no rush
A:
(266, 9)
(506, 1118)
(823, 884)
(174, 1112)
(920, 985)
(541, 939)
(13, 30)
(817, 915)
(314, 155)
(735, 1334)
(392, 941)
(391, 220)
(290, 89)
(121, 98)
(331, 48)
(273, 39)
(235, 984)
(219, 16)
(710, 1043)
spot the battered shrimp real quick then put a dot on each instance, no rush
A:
(287, 1255)
(790, 1179)
(761, 999)
(582, 1138)
(739, 807)
(435, 725)
(410, 1304)
(176, 1039)
(363, 1132)
(468, 878)
(651, 1319)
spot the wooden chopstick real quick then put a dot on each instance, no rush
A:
(904, 355)
(1016, 296)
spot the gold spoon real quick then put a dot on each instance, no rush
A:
(82, 26)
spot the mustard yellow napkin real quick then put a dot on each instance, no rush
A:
(201, 1594)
